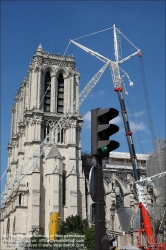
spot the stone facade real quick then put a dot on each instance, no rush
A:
(55, 181)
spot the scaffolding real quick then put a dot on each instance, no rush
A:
(156, 163)
(119, 163)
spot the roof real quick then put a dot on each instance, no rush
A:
(125, 214)
(54, 152)
(124, 155)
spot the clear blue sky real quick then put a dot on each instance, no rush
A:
(27, 23)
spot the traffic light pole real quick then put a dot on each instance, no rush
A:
(101, 146)
(101, 241)
(128, 134)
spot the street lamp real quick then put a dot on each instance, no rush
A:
(112, 212)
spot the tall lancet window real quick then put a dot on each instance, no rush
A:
(60, 96)
(47, 92)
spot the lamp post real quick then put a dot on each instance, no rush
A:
(112, 212)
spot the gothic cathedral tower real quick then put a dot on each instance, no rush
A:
(55, 183)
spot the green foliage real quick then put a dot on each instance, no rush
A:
(90, 238)
(73, 224)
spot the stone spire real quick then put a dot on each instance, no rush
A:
(40, 48)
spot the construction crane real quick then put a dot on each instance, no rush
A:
(151, 178)
(62, 123)
(149, 181)
(117, 82)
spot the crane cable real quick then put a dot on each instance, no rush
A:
(133, 119)
(92, 33)
(130, 109)
(3, 174)
(147, 102)
(135, 125)
(150, 120)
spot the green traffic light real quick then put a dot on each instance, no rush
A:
(104, 149)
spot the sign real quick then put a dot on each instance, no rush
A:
(115, 244)
(92, 183)
(112, 232)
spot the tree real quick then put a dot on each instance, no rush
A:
(75, 225)
(90, 238)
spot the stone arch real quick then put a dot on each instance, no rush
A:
(117, 183)
(60, 92)
(48, 68)
(122, 185)
(47, 90)
(63, 71)
(119, 194)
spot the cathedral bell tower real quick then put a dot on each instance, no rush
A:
(55, 183)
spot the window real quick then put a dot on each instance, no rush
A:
(47, 92)
(46, 131)
(19, 199)
(60, 136)
(64, 189)
(60, 95)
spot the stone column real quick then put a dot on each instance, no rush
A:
(11, 130)
(34, 93)
(66, 94)
(39, 97)
(77, 78)
(15, 118)
(53, 94)
(30, 86)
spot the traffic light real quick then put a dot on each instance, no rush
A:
(92, 213)
(101, 130)
(112, 243)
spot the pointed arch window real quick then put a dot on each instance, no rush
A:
(64, 188)
(60, 136)
(46, 130)
(60, 94)
(47, 91)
